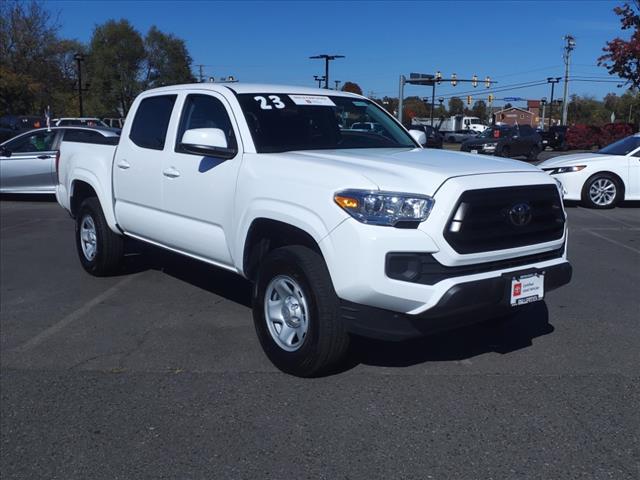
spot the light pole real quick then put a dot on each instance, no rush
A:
(543, 102)
(568, 48)
(327, 59)
(319, 80)
(552, 81)
(80, 58)
(337, 82)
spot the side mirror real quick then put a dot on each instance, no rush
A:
(419, 136)
(210, 142)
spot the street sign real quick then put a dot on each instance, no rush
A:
(513, 99)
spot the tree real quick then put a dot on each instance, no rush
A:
(456, 106)
(479, 109)
(34, 60)
(413, 107)
(167, 60)
(352, 87)
(622, 57)
(114, 64)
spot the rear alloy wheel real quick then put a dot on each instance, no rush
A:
(296, 313)
(601, 191)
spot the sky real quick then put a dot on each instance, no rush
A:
(270, 42)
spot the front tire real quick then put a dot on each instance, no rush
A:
(601, 191)
(296, 313)
(100, 249)
(533, 153)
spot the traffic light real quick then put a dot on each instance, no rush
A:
(438, 76)
(487, 82)
(468, 99)
(454, 80)
(491, 97)
(474, 81)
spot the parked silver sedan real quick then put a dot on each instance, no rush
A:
(28, 161)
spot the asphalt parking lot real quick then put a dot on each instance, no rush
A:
(157, 373)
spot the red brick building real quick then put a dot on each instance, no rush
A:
(516, 115)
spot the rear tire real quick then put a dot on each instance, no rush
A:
(100, 249)
(602, 191)
(505, 151)
(296, 313)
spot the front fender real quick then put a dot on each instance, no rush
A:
(292, 214)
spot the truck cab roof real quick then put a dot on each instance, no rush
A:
(240, 88)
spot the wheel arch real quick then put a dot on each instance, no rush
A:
(605, 172)
(84, 185)
(265, 235)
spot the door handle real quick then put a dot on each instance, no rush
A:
(171, 173)
(43, 157)
(123, 164)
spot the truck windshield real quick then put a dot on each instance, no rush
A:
(287, 122)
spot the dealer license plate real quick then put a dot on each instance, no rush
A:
(474, 151)
(527, 289)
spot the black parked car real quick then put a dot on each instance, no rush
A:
(506, 141)
(555, 137)
(434, 137)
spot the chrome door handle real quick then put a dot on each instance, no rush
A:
(123, 164)
(171, 173)
(43, 157)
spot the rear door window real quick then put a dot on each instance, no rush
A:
(149, 129)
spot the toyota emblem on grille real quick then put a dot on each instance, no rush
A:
(520, 214)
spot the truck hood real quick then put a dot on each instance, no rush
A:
(411, 170)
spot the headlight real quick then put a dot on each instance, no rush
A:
(384, 208)
(556, 170)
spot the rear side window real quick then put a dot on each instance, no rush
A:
(205, 111)
(87, 136)
(526, 130)
(151, 122)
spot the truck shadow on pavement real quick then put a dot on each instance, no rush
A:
(455, 345)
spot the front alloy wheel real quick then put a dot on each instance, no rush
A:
(601, 191)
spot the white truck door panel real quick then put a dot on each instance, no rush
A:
(137, 169)
(199, 190)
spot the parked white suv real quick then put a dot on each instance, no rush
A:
(342, 231)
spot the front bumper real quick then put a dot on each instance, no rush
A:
(462, 304)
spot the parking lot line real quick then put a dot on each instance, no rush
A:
(615, 242)
(608, 217)
(76, 314)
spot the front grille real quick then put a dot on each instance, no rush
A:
(500, 218)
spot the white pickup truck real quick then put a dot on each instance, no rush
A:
(341, 231)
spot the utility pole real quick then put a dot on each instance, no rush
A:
(80, 58)
(327, 59)
(201, 72)
(552, 81)
(319, 80)
(568, 48)
(401, 97)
